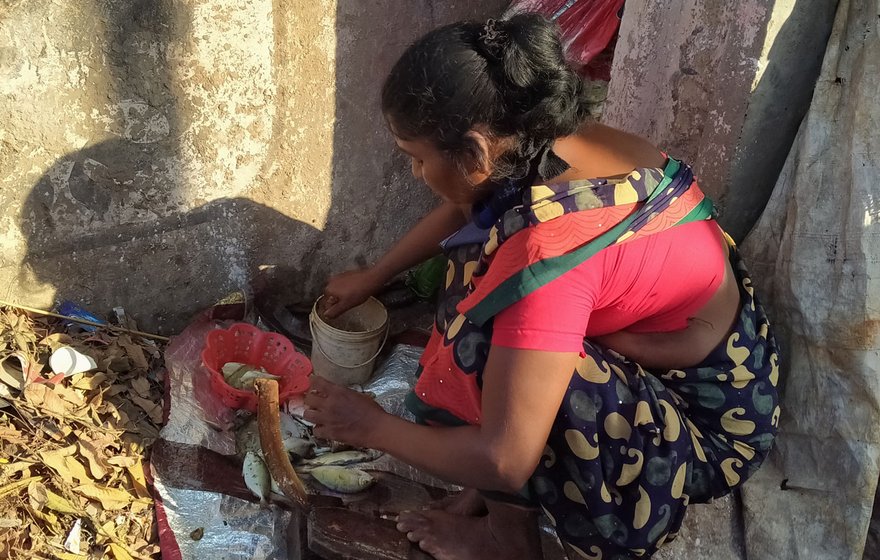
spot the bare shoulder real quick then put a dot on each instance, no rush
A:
(597, 150)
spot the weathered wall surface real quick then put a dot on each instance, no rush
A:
(157, 154)
(724, 85)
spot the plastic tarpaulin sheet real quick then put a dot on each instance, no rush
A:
(815, 255)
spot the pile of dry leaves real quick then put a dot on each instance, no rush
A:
(73, 449)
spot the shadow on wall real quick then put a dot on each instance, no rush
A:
(110, 224)
(114, 224)
(370, 175)
(778, 105)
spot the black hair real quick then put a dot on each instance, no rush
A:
(506, 78)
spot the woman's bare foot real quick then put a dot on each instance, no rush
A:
(509, 534)
(468, 502)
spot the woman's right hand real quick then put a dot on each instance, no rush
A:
(349, 289)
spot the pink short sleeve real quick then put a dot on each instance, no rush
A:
(554, 317)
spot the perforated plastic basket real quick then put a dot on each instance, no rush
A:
(247, 344)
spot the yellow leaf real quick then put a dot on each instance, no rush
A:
(68, 556)
(46, 517)
(108, 529)
(140, 505)
(119, 552)
(88, 382)
(138, 480)
(122, 461)
(67, 467)
(111, 498)
(12, 468)
(59, 504)
(56, 341)
(14, 487)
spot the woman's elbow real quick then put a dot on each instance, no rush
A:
(510, 473)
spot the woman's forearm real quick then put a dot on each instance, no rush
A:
(455, 454)
(422, 241)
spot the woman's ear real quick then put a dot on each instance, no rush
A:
(480, 152)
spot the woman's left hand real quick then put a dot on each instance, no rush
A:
(341, 414)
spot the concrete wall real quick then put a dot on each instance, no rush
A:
(155, 154)
(724, 85)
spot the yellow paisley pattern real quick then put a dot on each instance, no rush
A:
(591, 371)
(579, 445)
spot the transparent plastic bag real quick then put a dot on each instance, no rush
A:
(588, 27)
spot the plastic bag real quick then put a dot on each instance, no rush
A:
(588, 27)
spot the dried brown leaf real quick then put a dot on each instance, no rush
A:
(51, 429)
(111, 499)
(153, 409)
(141, 504)
(116, 389)
(95, 457)
(92, 509)
(11, 435)
(43, 397)
(65, 464)
(69, 395)
(134, 352)
(141, 385)
(120, 364)
(37, 495)
(57, 340)
(11, 374)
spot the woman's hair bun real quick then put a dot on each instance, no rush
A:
(509, 77)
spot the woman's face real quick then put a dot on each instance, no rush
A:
(441, 174)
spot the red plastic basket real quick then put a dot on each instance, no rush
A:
(247, 344)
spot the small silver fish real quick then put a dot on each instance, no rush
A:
(247, 438)
(342, 458)
(346, 480)
(256, 476)
(300, 447)
(247, 380)
(291, 427)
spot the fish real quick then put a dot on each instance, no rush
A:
(292, 427)
(256, 476)
(247, 380)
(346, 480)
(299, 446)
(232, 372)
(342, 458)
(242, 376)
(247, 438)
